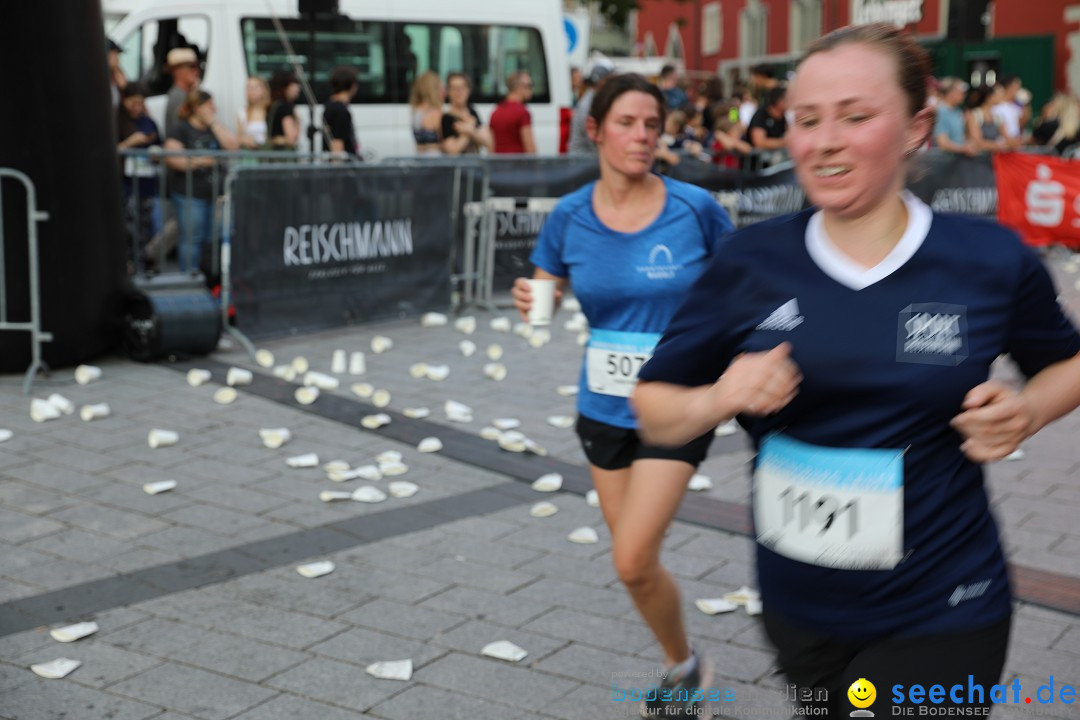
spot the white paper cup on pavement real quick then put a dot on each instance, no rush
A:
(42, 410)
(337, 362)
(238, 376)
(197, 376)
(94, 412)
(61, 403)
(356, 363)
(87, 374)
(162, 438)
(543, 301)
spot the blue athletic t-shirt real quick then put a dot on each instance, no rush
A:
(629, 284)
(887, 356)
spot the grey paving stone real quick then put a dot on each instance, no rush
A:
(12, 676)
(215, 519)
(360, 646)
(484, 605)
(32, 500)
(337, 683)
(556, 593)
(418, 623)
(238, 657)
(597, 572)
(590, 701)
(62, 573)
(18, 644)
(15, 590)
(484, 551)
(400, 586)
(427, 702)
(475, 575)
(171, 686)
(118, 524)
(130, 496)
(471, 637)
(76, 544)
(137, 559)
(52, 699)
(16, 527)
(77, 458)
(484, 527)
(14, 558)
(57, 477)
(284, 588)
(290, 707)
(601, 667)
(155, 636)
(1069, 642)
(190, 542)
(601, 632)
(494, 680)
(733, 575)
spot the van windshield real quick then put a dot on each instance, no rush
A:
(389, 55)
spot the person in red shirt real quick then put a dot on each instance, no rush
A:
(511, 124)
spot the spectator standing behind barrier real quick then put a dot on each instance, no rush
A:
(631, 244)
(579, 134)
(674, 96)
(462, 131)
(1012, 115)
(426, 101)
(283, 127)
(769, 125)
(577, 85)
(337, 119)
(728, 147)
(137, 130)
(251, 122)
(983, 128)
(117, 79)
(858, 365)
(1059, 125)
(950, 134)
(511, 123)
(183, 64)
(199, 130)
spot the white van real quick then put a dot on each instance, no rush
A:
(388, 41)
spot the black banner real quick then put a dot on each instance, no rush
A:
(516, 230)
(948, 182)
(317, 248)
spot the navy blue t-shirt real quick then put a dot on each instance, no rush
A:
(887, 356)
(629, 284)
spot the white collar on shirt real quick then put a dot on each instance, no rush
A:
(845, 271)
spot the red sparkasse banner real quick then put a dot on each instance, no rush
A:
(1039, 197)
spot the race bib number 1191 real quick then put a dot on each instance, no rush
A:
(613, 359)
(833, 507)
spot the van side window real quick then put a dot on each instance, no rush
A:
(359, 44)
(486, 53)
(145, 49)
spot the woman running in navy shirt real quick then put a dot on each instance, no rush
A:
(854, 342)
(631, 245)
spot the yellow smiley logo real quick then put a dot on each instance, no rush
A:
(862, 693)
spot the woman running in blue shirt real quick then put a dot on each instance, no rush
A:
(854, 341)
(631, 245)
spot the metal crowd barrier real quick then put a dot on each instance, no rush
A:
(151, 254)
(33, 326)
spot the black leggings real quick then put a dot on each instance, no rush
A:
(823, 668)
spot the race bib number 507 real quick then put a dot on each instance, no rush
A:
(613, 359)
(833, 507)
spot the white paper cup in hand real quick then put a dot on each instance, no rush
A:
(543, 301)
(162, 438)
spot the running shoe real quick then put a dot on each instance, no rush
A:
(678, 694)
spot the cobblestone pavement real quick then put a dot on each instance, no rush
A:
(203, 615)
